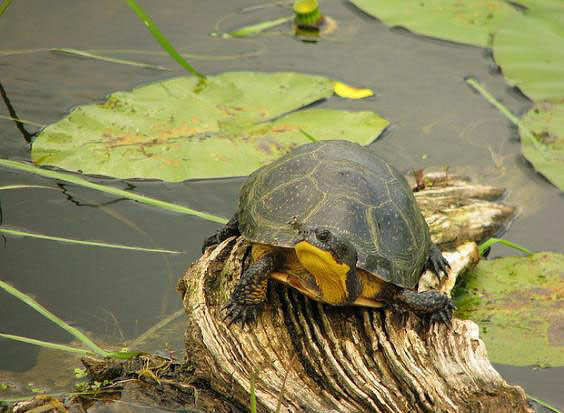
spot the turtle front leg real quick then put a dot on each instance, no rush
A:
(230, 229)
(432, 304)
(436, 262)
(250, 292)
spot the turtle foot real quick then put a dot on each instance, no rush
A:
(432, 306)
(240, 313)
(230, 229)
(400, 313)
(436, 262)
(209, 241)
(443, 316)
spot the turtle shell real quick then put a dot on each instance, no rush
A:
(346, 188)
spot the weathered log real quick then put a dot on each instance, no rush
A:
(314, 357)
(457, 210)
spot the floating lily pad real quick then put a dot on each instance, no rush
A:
(518, 301)
(173, 131)
(463, 21)
(546, 123)
(530, 51)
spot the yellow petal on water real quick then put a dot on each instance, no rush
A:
(346, 91)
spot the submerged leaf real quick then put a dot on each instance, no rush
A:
(530, 51)
(545, 121)
(463, 21)
(517, 301)
(346, 91)
(173, 132)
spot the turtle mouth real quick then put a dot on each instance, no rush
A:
(319, 261)
(319, 242)
(330, 275)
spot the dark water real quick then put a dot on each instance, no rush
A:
(116, 295)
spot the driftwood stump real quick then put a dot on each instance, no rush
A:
(314, 357)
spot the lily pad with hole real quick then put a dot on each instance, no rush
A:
(462, 21)
(530, 51)
(545, 121)
(517, 302)
(176, 129)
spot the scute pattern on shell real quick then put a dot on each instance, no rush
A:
(348, 189)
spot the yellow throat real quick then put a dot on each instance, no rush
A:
(331, 277)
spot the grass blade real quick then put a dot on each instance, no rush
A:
(487, 244)
(253, 394)
(155, 328)
(4, 5)
(46, 344)
(27, 122)
(22, 166)
(507, 113)
(24, 186)
(109, 59)
(544, 404)
(91, 243)
(163, 41)
(123, 355)
(46, 313)
(32, 396)
(259, 27)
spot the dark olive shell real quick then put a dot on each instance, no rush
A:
(346, 188)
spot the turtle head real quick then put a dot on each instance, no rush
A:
(331, 259)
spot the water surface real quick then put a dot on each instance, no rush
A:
(437, 120)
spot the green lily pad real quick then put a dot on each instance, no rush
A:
(530, 51)
(517, 301)
(176, 129)
(546, 123)
(462, 21)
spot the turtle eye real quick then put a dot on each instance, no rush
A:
(322, 235)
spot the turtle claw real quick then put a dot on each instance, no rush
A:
(431, 306)
(437, 263)
(230, 229)
(443, 315)
(239, 313)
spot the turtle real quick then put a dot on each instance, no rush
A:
(339, 224)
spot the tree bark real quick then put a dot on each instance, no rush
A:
(314, 357)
